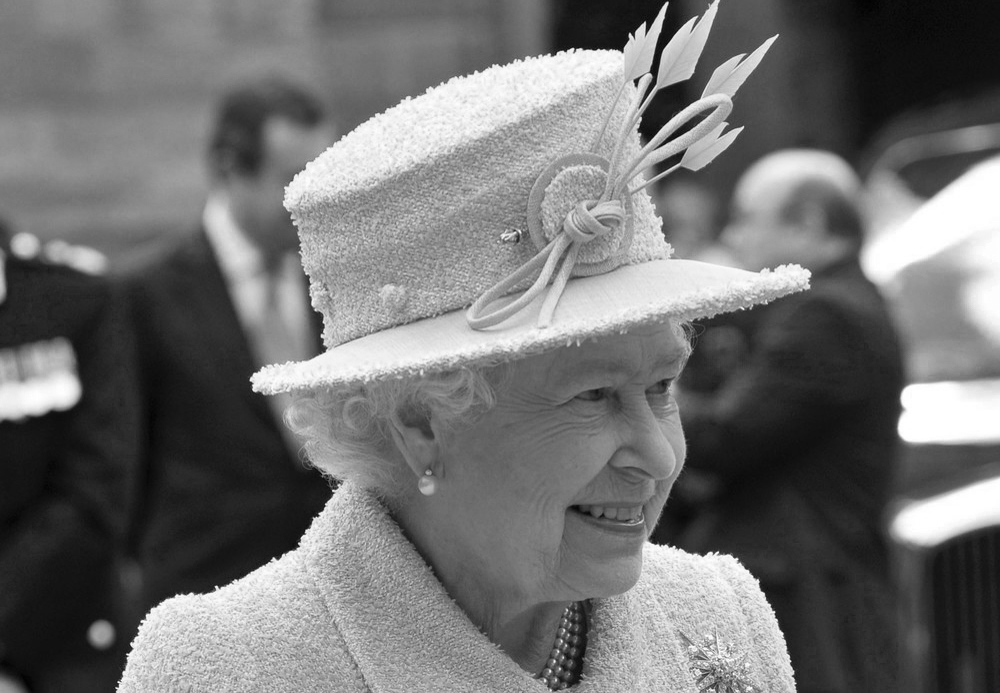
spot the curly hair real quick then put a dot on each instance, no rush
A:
(347, 429)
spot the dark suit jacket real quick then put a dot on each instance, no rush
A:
(802, 442)
(63, 478)
(221, 494)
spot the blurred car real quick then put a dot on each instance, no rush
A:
(934, 197)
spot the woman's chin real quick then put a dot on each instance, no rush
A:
(606, 554)
(612, 580)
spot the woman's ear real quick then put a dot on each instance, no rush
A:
(416, 441)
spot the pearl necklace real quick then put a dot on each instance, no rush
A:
(562, 669)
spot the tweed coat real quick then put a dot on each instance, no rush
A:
(356, 609)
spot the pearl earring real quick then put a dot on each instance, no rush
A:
(427, 483)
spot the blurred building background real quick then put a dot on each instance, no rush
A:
(104, 104)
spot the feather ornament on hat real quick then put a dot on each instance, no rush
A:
(504, 213)
(701, 144)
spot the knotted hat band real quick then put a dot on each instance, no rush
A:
(590, 219)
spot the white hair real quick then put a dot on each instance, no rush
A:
(346, 430)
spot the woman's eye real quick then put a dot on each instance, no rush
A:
(661, 388)
(594, 395)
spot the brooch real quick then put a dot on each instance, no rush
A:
(718, 668)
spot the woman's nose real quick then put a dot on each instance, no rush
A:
(648, 448)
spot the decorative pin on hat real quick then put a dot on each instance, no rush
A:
(509, 207)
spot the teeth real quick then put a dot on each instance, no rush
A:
(629, 514)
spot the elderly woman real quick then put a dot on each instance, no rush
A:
(503, 327)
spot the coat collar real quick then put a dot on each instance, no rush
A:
(406, 633)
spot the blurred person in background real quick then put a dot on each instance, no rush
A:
(67, 445)
(692, 218)
(692, 223)
(797, 446)
(222, 488)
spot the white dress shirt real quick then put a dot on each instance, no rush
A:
(260, 297)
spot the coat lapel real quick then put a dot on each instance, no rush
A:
(398, 623)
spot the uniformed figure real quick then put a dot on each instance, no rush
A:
(66, 445)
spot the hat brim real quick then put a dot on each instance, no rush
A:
(628, 297)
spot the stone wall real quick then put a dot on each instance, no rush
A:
(105, 104)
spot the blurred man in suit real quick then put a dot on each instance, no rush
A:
(223, 489)
(67, 445)
(799, 443)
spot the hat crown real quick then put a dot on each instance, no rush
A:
(407, 216)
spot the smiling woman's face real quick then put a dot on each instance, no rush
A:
(552, 493)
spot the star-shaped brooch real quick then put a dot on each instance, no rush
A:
(718, 667)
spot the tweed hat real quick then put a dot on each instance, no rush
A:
(504, 213)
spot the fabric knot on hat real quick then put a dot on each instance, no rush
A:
(579, 232)
(589, 219)
(569, 198)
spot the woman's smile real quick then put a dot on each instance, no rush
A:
(623, 514)
(622, 523)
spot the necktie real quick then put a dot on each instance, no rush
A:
(282, 334)
(282, 329)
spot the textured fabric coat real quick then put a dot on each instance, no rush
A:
(220, 493)
(356, 609)
(802, 442)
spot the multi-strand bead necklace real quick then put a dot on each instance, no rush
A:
(565, 662)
